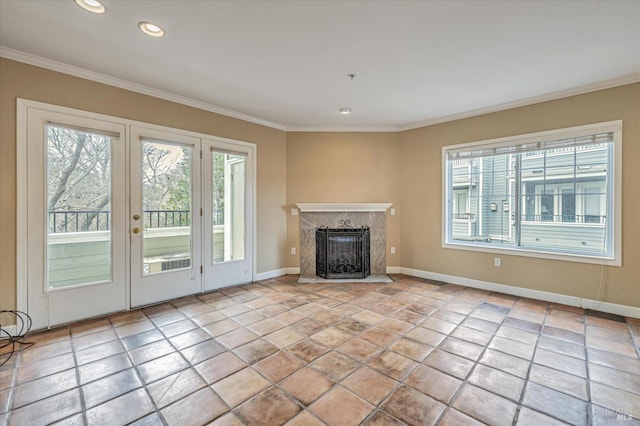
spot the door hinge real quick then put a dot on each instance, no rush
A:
(200, 211)
(200, 268)
(201, 155)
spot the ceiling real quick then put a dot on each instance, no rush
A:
(286, 63)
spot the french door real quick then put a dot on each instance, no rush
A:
(120, 214)
(228, 213)
(165, 217)
(75, 217)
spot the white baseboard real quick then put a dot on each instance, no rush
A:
(612, 308)
(11, 329)
(271, 274)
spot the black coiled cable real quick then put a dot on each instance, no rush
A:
(14, 342)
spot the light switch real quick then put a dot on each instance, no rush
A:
(392, 211)
(294, 212)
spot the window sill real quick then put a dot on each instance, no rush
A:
(534, 254)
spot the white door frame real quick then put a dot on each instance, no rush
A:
(50, 307)
(160, 286)
(22, 261)
(229, 269)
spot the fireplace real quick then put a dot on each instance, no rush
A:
(314, 216)
(343, 253)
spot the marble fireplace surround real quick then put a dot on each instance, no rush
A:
(314, 215)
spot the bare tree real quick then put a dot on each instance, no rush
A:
(78, 172)
(68, 167)
(79, 175)
(164, 171)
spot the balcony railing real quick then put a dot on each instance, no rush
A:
(99, 220)
(464, 216)
(565, 218)
(79, 221)
(166, 218)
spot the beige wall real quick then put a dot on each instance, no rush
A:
(334, 167)
(421, 197)
(403, 168)
(18, 80)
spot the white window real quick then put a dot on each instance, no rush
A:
(552, 194)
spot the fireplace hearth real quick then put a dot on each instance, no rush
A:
(343, 253)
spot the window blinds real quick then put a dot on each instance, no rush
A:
(88, 130)
(516, 146)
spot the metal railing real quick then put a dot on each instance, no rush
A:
(166, 218)
(79, 221)
(565, 218)
(464, 216)
(100, 220)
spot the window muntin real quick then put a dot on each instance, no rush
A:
(535, 193)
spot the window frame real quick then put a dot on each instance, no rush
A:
(614, 220)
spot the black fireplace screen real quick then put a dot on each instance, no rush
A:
(343, 252)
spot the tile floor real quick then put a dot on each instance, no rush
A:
(277, 352)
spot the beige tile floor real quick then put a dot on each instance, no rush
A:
(277, 352)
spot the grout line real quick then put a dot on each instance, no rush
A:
(83, 405)
(588, 374)
(135, 367)
(635, 344)
(465, 381)
(454, 295)
(12, 386)
(527, 378)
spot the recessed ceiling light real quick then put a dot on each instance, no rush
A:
(93, 6)
(345, 111)
(151, 29)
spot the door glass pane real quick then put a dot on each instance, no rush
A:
(166, 201)
(592, 206)
(568, 205)
(78, 207)
(228, 215)
(546, 208)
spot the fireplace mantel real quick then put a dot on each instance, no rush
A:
(343, 207)
(335, 215)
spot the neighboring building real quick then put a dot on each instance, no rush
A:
(562, 198)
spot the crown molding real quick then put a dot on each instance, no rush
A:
(372, 129)
(579, 90)
(39, 61)
(50, 64)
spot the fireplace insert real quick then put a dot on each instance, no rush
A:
(343, 253)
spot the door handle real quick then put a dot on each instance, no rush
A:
(136, 217)
(135, 230)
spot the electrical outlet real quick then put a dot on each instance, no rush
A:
(497, 262)
(393, 250)
(293, 250)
